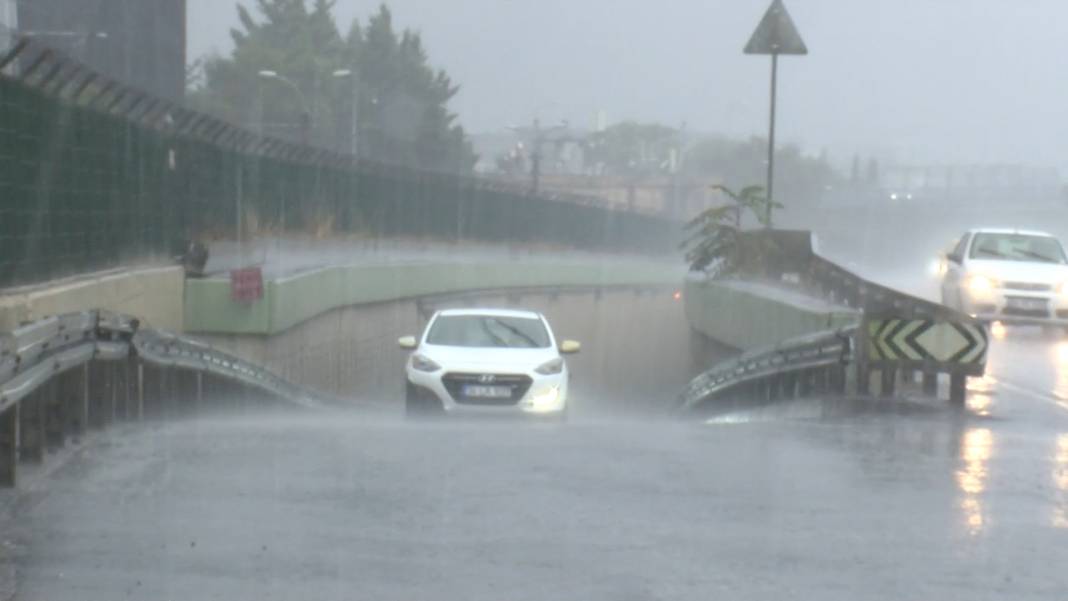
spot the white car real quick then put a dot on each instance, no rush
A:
(487, 362)
(1012, 276)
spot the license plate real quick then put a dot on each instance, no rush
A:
(487, 392)
(1027, 304)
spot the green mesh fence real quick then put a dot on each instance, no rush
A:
(83, 190)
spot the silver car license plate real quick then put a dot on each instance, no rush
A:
(1027, 304)
(487, 392)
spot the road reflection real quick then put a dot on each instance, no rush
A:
(976, 449)
(1060, 482)
(1060, 362)
(981, 390)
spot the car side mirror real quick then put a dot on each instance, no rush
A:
(570, 347)
(407, 343)
(954, 258)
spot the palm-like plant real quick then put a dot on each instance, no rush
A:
(713, 244)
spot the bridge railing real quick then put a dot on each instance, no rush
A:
(898, 336)
(63, 375)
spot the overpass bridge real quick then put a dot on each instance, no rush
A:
(173, 442)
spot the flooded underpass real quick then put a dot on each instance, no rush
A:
(915, 499)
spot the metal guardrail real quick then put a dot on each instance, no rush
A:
(898, 336)
(61, 375)
(36, 352)
(812, 364)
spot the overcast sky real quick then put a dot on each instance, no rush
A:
(919, 80)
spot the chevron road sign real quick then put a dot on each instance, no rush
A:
(918, 340)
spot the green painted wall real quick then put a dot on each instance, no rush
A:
(291, 300)
(747, 316)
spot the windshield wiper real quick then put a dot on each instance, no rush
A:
(1038, 256)
(991, 252)
(500, 341)
(516, 331)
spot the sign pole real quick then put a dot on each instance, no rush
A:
(771, 137)
(776, 34)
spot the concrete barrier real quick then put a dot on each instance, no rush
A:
(154, 294)
(748, 315)
(294, 299)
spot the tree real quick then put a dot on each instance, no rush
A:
(401, 102)
(799, 178)
(632, 149)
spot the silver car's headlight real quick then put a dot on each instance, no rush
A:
(423, 363)
(551, 367)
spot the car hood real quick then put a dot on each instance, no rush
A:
(453, 358)
(1021, 271)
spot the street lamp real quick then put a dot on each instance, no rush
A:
(354, 139)
(305, 116)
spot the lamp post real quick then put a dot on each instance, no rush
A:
(305, 115)
(354, 147)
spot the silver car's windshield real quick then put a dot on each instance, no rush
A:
(1017, 247)
(488, 331)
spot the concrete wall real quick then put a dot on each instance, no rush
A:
(155, 295)
(747, 315)
(291, 300)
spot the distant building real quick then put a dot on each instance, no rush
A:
(137, 42)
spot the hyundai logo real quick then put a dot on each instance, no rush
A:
(487, 379)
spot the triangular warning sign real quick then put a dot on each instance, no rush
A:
(776, 34)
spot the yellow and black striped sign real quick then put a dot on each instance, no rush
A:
(926, 340)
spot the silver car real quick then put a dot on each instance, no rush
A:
(1011, 276)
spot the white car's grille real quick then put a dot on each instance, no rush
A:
(1027, 287)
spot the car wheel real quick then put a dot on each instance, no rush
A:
(419, 403)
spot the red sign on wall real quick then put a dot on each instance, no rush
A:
(246, 285)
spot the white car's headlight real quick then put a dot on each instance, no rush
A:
(551, 367)
(981, 284)
(546, 401)
(423, 363)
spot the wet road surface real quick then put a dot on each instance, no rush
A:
(898, 501)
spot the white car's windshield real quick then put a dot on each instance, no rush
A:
(488, 331)
(1017, 247)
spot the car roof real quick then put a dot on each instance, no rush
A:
(491, 312)
(1005, 230)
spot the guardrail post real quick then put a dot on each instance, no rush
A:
(958, 388)
(151, 405)
(805, 384)
(122, 391)
(9, 446)
(80, 395)
(101, 390)
(199, 397)
(56, 420)
(32, 428)
(836, 379)
(930, 383)
(862, 350)
(139, 395)
(889, 381)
